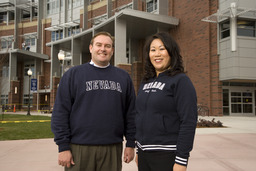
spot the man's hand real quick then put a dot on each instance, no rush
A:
(178, 167)
(66, 159)
(128, 154)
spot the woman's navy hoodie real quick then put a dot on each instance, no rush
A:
(167, 115)
(94, 106)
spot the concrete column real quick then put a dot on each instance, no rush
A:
(17, 20)
(12, 66)
(109, 8)
(120, 42)
(85, 15)
(76, 52)
(163, 7)
(55, 64)
(135, 4)
(39, 26)
(37, 66)
(65, 17)
(233, 26)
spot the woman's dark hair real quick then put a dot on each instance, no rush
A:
(173, 49)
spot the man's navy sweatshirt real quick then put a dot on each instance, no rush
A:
(94, 106)
(167, 115)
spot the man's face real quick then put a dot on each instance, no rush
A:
(101, 50)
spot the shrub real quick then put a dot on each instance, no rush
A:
(207, 123)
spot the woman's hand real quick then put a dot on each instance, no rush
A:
(178, 167)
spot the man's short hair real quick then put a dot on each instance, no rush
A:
(103, 33)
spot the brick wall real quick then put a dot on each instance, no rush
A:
(13, 98)
(198, 45)
(24, 28)
(137, 73)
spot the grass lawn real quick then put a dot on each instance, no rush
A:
(24, 130)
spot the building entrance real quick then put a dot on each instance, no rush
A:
(239, 101)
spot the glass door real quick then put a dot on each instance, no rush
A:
(242, 102)
(247, 102)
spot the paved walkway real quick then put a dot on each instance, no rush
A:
(215, 149)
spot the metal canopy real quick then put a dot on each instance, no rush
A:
(227, 13)
(23, 55)
(7, 6)
(142, 24)
(30, 35)
(63, 25)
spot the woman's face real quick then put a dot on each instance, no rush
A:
(159, 56)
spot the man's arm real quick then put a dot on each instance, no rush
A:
(61, 113)
(129, 122)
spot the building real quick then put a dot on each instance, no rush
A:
(217, 40)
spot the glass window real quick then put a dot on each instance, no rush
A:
(225, 97)
(6, 42)
(3, 44)
(33, 41)
(236, 108)
(3, 17)
(255, 101)
(57, 35)
(48, 8)
(225, 110)
(69, 31)
(151, 5)
(225, 29)
(246, 28)
(53, 35)
(30, 41)
(247, 108)
(25, 99)
(61, 34)
(4, 99)
(5, 71)
(61, 5)
(53, 7)
(225, 101)
(236, 94)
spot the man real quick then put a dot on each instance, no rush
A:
(93, 110)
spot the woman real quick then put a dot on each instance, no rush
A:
(166, 109)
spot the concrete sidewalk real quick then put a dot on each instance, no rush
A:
(215, 149)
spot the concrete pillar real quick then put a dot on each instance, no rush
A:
(55, 64)
(85, 15)
(135, 4)
(109, 8)
(17, 20)
(39, 26)
(76, 52)
(120, 42)
(163, 7)
(233, 26)
(38, 68)
(12, 66)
